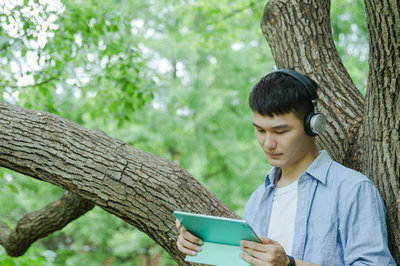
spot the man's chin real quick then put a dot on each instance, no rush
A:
(275, 163)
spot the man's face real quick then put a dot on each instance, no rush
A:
(282, 138)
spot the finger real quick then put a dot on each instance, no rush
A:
(252, 260)
(185, 250)
(245, 245)
(274, 247)
(266, 240)
(262, 256)
(180, 230)
(178, 224)
(190, 237)
(186, 246)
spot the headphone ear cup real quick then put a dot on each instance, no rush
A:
(318, 123)
(307, 124)
(315, 124)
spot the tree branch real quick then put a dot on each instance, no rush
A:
(234, 12)
(39, 224)
(239, 10)
(15, 86)
(140, 188)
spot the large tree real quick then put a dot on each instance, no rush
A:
(143, 190)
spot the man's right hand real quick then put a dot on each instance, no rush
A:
(187, 243)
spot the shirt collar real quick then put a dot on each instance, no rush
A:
(273, 176)
(318, 169)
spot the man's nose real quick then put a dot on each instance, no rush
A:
(269, 142)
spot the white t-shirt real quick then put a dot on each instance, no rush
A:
(283, 215)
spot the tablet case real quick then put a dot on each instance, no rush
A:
(221, 237)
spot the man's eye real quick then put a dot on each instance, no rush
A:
(261, 130)
(280, 132)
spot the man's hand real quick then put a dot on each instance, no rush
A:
(187, 243)
(268, 252)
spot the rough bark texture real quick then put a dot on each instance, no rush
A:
(138, 187)
(41, 223)
(299, 34)
(381, 129)
(362, 133)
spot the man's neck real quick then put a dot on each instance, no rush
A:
(292, 172)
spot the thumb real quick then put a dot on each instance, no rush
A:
(266, 240)
(178, 224)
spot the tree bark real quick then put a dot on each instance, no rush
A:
(381, 128)
(299, 35)
(41, 223)
(140, 188)
(362, 133)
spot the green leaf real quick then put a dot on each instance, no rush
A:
(13, 188)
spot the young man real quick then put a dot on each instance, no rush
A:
(310, 209)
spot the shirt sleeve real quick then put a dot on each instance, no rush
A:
(363, 229)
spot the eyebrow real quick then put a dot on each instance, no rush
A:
(284, 126)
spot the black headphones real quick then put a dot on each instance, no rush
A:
(315, 122)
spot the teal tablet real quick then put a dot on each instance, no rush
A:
(221, 237)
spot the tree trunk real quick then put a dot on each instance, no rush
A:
(299, 34)
(381, 130)
(362, 133)
(138, 187)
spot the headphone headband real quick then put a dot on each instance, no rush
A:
(307, 84)
(315, 122)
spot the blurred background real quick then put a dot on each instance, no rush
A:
(169, 77)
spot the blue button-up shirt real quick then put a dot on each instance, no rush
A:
(340, 218)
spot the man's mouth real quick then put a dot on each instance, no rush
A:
(274, 155)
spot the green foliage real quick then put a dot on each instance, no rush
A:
(169, 77)
(27, 260)
(350, 33)
(73, 56)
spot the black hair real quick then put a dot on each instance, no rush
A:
(278, 94)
